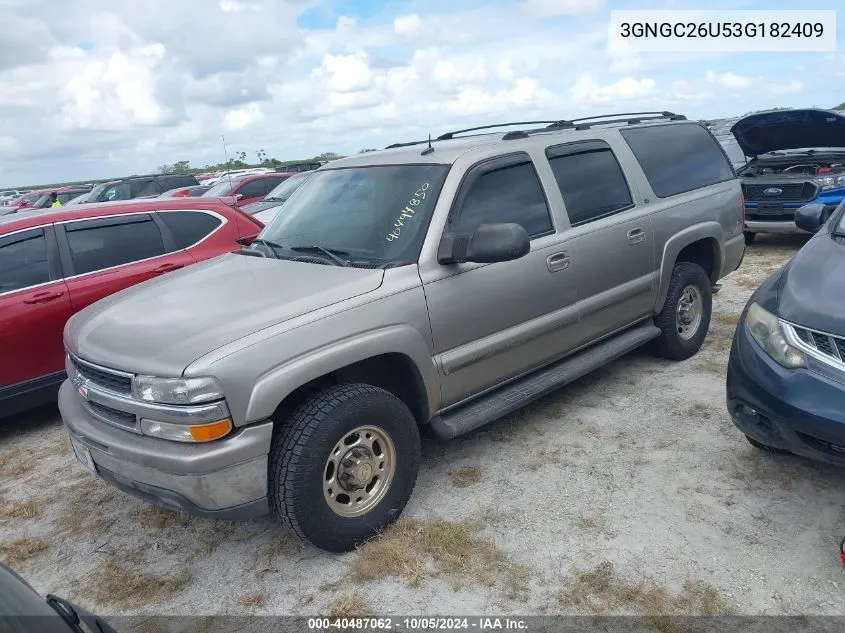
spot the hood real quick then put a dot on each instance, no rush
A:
(789, 129)
(812, 289)
(161, 326)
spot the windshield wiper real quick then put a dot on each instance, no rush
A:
(271, 245)
(332, 253)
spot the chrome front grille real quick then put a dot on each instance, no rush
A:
(826, 346)
(108, 379)
(112, 416)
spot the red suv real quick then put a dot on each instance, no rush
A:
(246, 188)
(55, 263)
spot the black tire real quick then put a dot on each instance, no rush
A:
(302, 446)
(671, 344)
(749, 237)
(767, 448)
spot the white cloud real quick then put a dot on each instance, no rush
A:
(243, 117)
(728, 80)
(791, 87)
(549, 8)
(115, 94)
(588, 88)
(407, 25)
(345, 73)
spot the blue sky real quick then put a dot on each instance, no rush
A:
(91, 89)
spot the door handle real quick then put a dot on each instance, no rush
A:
(558, 261)
(44, 297)
(166, 268)
(635, 236)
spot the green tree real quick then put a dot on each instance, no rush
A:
(840, 107)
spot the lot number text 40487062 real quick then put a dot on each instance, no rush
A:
(418, 624)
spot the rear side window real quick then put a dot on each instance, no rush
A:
(189, 227)
(96, 244)
(509, 194)
(679, 157)
(23, 261)
(120, 191)
(253, 188)
(590, 180)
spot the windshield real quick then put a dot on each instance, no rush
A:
(284, 190)
(224, 187)
(373, 213)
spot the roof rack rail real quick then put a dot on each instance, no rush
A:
(584, 123)
(450, 135)
(631, 118)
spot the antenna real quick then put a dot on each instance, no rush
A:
(429, 149)
(226, 157)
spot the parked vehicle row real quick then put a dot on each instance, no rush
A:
(55, 263)
(438, 284)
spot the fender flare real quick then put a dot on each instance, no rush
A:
(678, 242)
(280, 381)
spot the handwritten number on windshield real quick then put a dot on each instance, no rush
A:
(408, 212)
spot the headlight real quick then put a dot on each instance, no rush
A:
(186, 432)
(767, 331)
(176, 390)
(830, 182)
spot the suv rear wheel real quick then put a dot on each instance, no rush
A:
(343, 466)
(685, 317)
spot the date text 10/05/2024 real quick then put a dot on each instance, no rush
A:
(417, 624)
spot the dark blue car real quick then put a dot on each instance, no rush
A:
(786, 373)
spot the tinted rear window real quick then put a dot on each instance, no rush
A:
(678, 158)
(189, 227)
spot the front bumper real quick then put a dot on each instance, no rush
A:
(796, 409)
(757, 226)
(225, 478)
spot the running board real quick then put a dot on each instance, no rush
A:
(525, 390)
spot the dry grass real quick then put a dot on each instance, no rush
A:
(351, 606)
(121, 583)
(82, 512)
(465, 476)
(283, 545)
(253, 600)
(699, 410)
(13, 553)
(602, 591)
(714, 366)
(157, 519)
(415, 550)
(15, 461)
(20, 510)
(595, 525)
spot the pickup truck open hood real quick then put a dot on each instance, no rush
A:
(161, 326)
(812, 289)
(789, 129)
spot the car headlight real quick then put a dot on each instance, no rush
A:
(830, 182)
(766, 329)
(176, 390)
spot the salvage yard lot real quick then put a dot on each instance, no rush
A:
(627, 492)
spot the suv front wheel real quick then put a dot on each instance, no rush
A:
(343, 466)
(685, 317)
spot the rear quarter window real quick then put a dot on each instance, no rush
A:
(189, 227)
(678, 158)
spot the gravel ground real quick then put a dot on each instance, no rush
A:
(627, 492)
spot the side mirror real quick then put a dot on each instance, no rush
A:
(810, 217)
(488, 244)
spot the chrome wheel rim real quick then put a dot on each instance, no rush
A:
(689, 313)
(359, 471)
